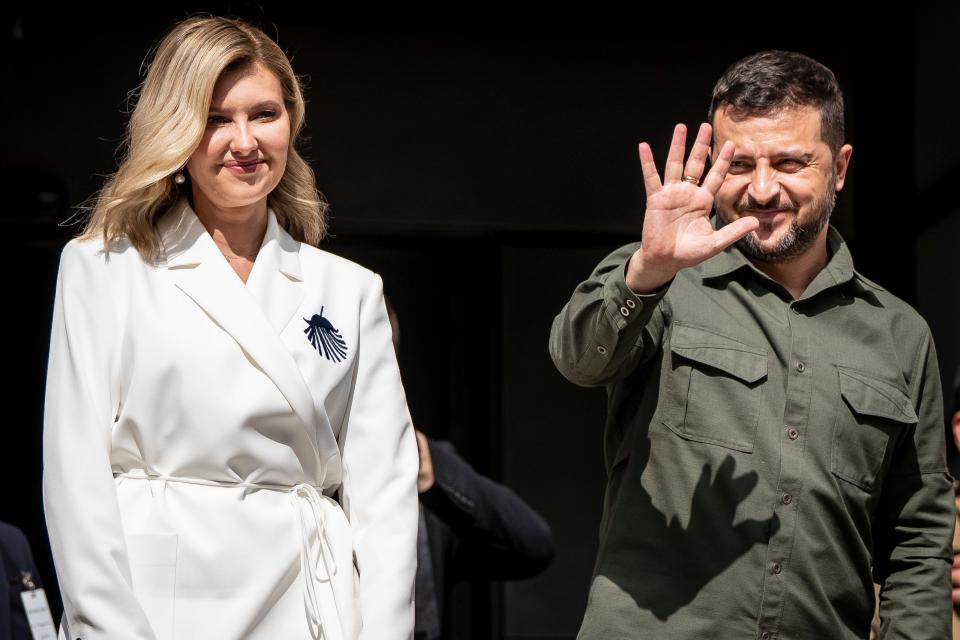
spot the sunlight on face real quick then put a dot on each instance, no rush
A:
(784, 175)
(243, 152)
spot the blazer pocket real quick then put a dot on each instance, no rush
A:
(714, 389)
(871, 414)
(153, 568)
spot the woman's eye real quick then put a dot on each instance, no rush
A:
(215, 120)
(267, 115)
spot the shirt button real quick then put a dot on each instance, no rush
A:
(787, 498)
(795, 309)
(801, 367)
(631, 303)
(776, 568)
(624, 311)
(765, 635)
(792, 433)
(601, 349)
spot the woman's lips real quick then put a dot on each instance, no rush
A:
(242, 168)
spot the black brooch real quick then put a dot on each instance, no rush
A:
(325, 338)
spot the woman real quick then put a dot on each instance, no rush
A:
(227, 447)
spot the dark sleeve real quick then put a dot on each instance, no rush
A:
(605, 330)
(16, 553)
(915, 519)
(498, 535)
(15, 559)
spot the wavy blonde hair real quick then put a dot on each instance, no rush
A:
(169, 120)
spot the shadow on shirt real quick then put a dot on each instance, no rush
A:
(662, 562)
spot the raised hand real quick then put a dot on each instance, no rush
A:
(676, 226)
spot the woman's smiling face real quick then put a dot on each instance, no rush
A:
(243, 152)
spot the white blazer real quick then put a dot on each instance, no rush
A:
(225, 460)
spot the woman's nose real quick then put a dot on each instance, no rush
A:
(243, 142)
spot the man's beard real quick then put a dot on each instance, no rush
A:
(798, 238)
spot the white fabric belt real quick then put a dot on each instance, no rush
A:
(313, 499)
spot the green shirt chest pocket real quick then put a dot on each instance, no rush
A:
(711, 388)
(870, 417)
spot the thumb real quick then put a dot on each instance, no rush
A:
(730, 233)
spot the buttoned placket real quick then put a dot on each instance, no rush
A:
(799, 389)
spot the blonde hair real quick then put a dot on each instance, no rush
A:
(169, 120)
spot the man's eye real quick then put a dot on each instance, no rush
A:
(739, 166)
(790, 165)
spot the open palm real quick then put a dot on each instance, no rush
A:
(676, 228)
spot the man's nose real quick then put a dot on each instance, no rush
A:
(764, 187)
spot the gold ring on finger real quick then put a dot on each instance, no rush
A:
(691, 180)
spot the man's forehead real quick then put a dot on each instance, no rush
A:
(790, 126)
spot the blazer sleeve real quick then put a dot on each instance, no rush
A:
(80, 500)
(380, 464)
(499, 536)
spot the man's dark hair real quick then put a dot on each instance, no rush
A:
(767, 82)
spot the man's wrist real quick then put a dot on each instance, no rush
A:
(643, 278)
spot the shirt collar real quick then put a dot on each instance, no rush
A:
(839, 270)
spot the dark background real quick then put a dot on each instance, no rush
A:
(482, 161)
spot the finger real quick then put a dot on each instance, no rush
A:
(651, 179)
(674, 169)
(730, 233)
(698, 154)
(719, 169)
(743, 485)
(703, 484)
(726, 469)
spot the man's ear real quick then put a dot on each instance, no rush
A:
(840, 165)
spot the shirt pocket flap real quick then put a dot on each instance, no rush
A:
(733, 357)
(870, 396)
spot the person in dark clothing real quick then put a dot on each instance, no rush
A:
(19, 574)
(470, 527)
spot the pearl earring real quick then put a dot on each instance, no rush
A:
(179, 178)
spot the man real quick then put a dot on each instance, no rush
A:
(471, 528)
(774, 439)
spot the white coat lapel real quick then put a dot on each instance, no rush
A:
(199, 269)
(276, 282)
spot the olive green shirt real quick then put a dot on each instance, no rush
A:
(767, 458)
